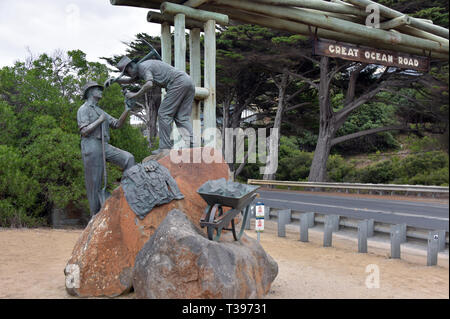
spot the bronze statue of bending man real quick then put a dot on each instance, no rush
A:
(177, 103)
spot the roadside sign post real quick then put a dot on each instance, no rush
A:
(259, 221)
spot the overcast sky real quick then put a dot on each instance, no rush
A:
(94, 26)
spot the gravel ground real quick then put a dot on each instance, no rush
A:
(32, 263)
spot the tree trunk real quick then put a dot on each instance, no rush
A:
(274, 140)
(318, 171)
(152, 103)
(327, 129)
(226, 124)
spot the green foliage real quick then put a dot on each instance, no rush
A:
(368, 116)
(426, 143)
(54, 160)
(438, 15)
(307, 140)
(40, 158)
(380, 173)
(422, 163)
(8, 125)
(289, 39)
(19, 192)
(424, 167)
(436, 10)
(338, 168)
(427, 168)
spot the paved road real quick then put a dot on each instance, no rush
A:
(433, 216)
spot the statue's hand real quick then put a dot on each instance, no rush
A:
(129, 95)
(129, 104)
(109, 82)
(102, 118)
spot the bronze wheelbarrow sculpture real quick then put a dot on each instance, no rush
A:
(215, 218)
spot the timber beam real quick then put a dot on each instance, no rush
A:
(194, 3)
(201, 93)
(156, 17)
(417, 23)
(322, 21)
(395, 23)
(196, 14)
(300, 28)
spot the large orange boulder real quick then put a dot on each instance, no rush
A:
(103, 258)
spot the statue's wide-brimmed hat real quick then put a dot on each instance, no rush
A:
(123, 63)
(88, 86)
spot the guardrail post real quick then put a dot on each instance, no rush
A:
(362, 236)
(328, 230)
(396, 240)
(304, 225)
(433, 248)
(266, 212)
(310, 218)
(441, 234)
(283, 218)
(335, 222)
(370, 227)
(403, 233)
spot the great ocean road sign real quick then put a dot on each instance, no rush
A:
(364, 54)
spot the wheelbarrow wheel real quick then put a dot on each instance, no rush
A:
(238, 235)
(217, 208)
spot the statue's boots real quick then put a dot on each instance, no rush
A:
(161, 150)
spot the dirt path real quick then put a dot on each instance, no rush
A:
(309, 270)
(32, 263)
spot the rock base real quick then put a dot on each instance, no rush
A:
(103, 258)
(178, 261)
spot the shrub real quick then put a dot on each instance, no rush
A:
(338, 168)
(19, 193)
(54, 160)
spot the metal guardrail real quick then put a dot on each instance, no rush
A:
(357, 186)
(399, 233)
(345, 221)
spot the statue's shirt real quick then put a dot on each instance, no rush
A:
(159, 72)
(89, 113)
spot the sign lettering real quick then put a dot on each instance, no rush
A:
(368, 55)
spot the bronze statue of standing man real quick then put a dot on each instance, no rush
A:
(177, 103)
(92, 122)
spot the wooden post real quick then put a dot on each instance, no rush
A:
(180, 42)
(180, 64)
(195, 70)
(166, 43)
(166, 48)
(209, 112)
